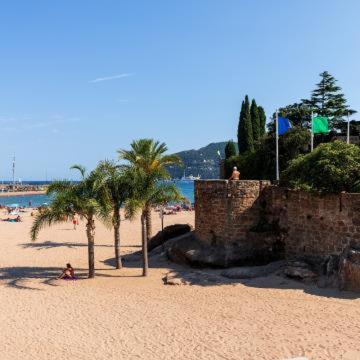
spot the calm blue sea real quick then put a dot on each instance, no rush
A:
(186, 188)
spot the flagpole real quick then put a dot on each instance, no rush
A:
(312, 134)
(348, 130)
(277, 146)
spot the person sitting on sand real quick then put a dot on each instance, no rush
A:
(18, 219)
(68, 273)
(235, 174)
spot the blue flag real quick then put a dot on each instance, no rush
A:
(283, 125)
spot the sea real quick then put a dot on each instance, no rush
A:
(186, 187)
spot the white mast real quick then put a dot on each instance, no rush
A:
(13, 171)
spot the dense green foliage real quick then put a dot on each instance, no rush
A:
(245, 130)
(251, 125)
(260, 164)
(262, 118)
(327, 100)
(230, 149)
(331, 168)
(255, 120)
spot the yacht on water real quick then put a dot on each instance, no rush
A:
(190, 177)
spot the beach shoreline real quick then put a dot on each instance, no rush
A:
(22, 193)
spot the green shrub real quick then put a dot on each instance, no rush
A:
(332, 168)
(260, 164)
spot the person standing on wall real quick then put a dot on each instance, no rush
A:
(235, 174)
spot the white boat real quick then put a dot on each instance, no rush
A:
(190, 177)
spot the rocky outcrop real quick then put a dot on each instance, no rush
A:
(349, 272)
(299, 270)
(168, 233)
(188, 250)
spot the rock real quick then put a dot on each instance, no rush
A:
(299, 270)
(192, 278)
(188, 250)
(249, 272)
(168, 233)
(349, 269)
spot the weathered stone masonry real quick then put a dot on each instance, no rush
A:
(308, 225)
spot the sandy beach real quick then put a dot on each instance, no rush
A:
(21, 193)
(121, 315)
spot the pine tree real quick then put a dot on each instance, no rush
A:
(245, 132)
(327, 100)
(255, 120)
(230, 149)
(262, 118)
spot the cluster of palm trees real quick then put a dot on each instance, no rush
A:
(136, 185)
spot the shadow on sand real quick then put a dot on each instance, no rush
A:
(52, 244)
(186, 275)
(17, 277)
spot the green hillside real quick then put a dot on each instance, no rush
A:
(203, 162)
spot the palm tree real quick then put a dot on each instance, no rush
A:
(116, 184)
(148, 166)
(149, 156)
(74, 198)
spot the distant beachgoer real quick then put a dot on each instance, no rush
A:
(75, 222)
(235, 174)
(68, 273)
(30, 204)
(18, 219)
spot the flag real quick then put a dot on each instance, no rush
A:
(283, 125)
(320, 125)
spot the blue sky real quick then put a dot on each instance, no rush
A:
(81, 79)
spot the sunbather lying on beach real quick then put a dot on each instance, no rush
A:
(68, 273)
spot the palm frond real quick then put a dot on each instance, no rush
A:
(80, 168)
(46, 218)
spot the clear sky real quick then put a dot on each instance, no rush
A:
(81, 79)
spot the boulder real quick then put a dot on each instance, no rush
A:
(349, 272)
(168, 233)
(251, 251)
(299, 270)
(193, 277)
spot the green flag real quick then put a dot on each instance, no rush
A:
(320, 125)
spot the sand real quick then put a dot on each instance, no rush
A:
(121, 315)
(21, 193)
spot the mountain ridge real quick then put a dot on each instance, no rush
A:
(203, 162)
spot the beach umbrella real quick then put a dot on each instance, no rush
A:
(13, 206)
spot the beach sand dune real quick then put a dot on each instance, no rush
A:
(121, 315)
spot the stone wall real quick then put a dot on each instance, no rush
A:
(306, 224)
(314, 226)
(225, 211)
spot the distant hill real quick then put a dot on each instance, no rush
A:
(203, 162)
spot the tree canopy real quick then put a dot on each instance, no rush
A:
(332, 167)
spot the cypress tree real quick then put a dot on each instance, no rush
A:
(255, 120)
(240, 132)
(230, 149)
(262, 118)
(245, 131)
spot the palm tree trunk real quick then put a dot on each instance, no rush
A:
(118, 263)
(90, 233)
(148, 222)
(144, 244)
